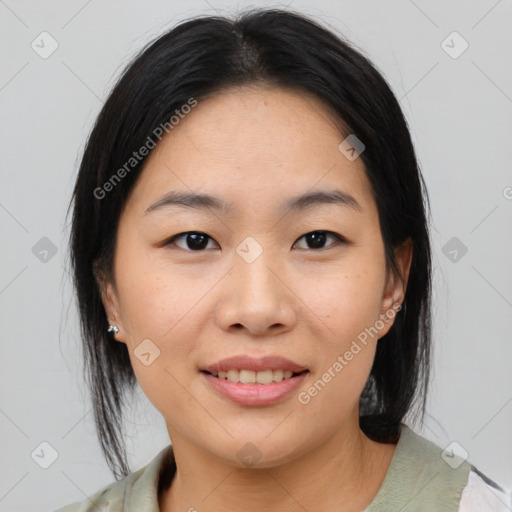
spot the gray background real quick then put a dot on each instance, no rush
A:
(459, 111)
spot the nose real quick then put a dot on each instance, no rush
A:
(257, 297)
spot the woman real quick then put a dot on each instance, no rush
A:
(250, 246)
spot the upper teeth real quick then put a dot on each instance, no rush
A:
(252, 377)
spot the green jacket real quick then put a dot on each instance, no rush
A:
(419, 479)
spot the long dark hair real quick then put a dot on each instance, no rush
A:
(195, 59)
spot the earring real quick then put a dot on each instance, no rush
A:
(113, 329)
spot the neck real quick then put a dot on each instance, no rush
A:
(344, 473)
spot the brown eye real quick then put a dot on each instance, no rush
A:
(194, 240)
(317, 239)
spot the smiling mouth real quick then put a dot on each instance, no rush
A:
(263, 377)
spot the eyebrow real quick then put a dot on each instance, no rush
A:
(298, 203)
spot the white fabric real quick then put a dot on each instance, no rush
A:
(478, 496)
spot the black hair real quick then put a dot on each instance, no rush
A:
(195, 59)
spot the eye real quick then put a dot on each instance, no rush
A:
(197, 240)
(317, 239)
(194, 240)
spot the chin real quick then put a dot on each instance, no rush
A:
(258, 451)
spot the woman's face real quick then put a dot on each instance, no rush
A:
(260, 281)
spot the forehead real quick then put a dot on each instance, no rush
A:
(252, 145)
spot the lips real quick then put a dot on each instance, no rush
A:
(257, 364)
(287, 376)
(254, 395)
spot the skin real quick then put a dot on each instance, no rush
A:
(256, 146)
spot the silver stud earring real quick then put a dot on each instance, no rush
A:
(113, 329)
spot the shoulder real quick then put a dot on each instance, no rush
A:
(421, 477)
(109, 498)
(137, 491)
(481, 493)
(477, 493)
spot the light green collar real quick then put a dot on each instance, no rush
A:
(419, 479)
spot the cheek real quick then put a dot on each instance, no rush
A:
(346, 306)
(156, 313)
(161, 338)
(346, 300)
(156, 296)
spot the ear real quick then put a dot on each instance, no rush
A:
(396, 285)
(109, 299)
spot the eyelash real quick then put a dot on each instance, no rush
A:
(339, 239)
